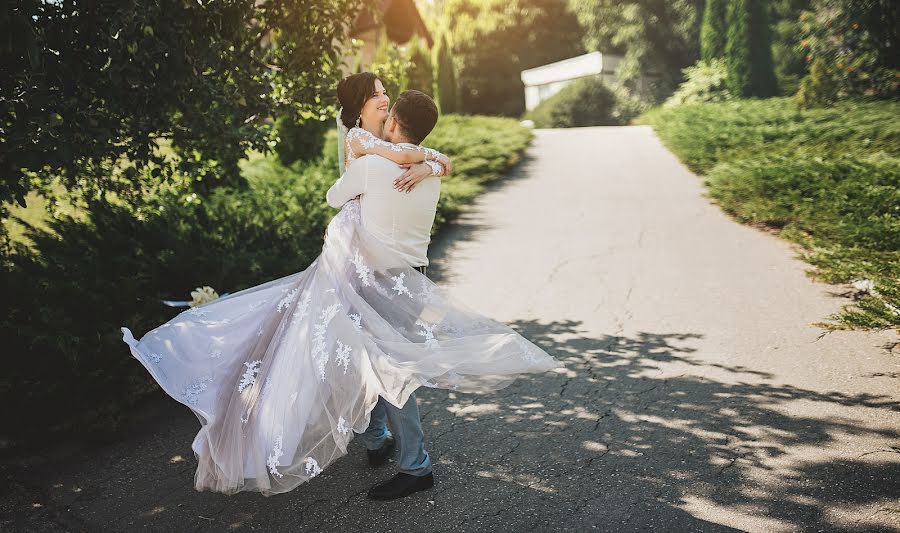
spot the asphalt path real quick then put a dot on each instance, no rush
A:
(697, 395)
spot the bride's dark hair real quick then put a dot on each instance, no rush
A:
(353, 92)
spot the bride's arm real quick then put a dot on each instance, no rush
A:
(363, 142)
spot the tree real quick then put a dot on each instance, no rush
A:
(89, 90)
(494, 40)
(391, 65)
(790, 65)
(857, 40)
(653, 35)
(420, 73)
(748, 50)
(714, 29)
(447, 93)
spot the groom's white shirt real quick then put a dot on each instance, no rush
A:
(400, 220)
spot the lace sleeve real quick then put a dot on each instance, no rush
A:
(362, 142)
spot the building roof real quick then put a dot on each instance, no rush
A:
(400, 18)
(567, 69)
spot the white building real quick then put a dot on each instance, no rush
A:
(545, 81)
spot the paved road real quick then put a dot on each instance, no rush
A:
(696, 394)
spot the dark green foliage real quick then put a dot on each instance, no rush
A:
(391, 65)
(585, 102)
(790, 65)
(300, 141)
(88, 88)
(714, 29)
(704, 82)
(420, 72)
(827, 179)
(762, 77)
(445, 71)
(819, 88)
(653, 35)
(748, 50)
(64, 305)
(65, 299)
(495, 40)
(858, 41)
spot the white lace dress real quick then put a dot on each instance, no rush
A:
(282, 374)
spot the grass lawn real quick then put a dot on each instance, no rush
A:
(826, 179)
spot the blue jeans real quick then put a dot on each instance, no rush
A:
(407, 426)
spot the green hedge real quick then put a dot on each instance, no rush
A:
(586, 102)
(827, 179)
(67, 294)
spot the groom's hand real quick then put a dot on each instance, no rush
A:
(414, 173)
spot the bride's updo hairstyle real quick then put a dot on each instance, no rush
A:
(353, 92)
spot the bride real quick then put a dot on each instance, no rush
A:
(281, 375)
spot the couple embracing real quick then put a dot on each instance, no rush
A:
(284, 374)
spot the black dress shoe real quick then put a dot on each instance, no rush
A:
(381, 455)
(401, 485)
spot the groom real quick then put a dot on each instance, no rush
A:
(402, 221)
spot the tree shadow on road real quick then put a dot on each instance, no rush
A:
(611, 441)
(614, 441)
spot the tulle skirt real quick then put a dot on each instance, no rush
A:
(282, 374)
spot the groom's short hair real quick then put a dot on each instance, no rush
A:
(416, 114)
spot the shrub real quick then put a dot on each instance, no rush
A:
(300, 141)
(748, 50)
(586, 102)
(66, 297)
(445, 72)
(857, 41)
(819, 88)
(705, 82)
(713, 30)
(825, 178)
(420, 72)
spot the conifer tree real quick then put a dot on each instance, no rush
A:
(447, 91)
(714, 29)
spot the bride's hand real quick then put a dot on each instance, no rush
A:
(414, 173)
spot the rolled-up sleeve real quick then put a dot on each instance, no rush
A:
(350, 185)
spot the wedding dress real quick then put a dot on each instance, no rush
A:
(282, 374)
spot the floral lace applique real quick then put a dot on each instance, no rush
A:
(312, 467)
(320, 351)
(301, 311)
(216, 354)
(436, 168)
(399, 286)
(351, 210)
(428, 333)
(428, 294)
(342, 357)
(193, 390)
(357, 321)
(249, 377)
(368, 140)
(277, 452)
(287, 300)
(364, 272)
(155, 356)
(342, 426)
